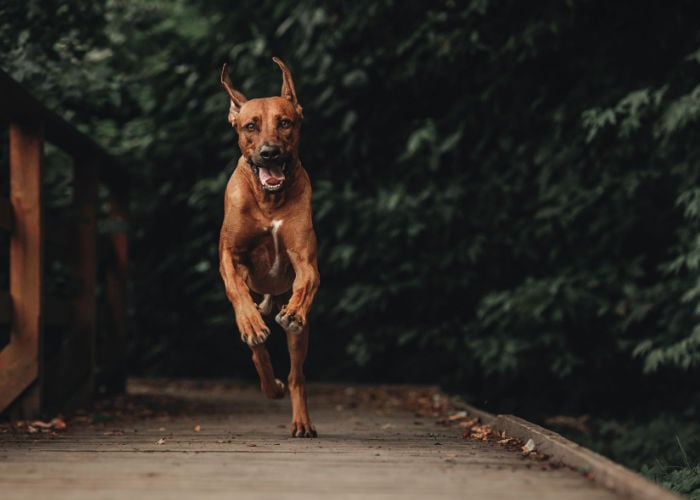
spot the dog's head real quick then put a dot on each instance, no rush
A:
(268, 129)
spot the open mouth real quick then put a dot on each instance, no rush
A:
(272, 176)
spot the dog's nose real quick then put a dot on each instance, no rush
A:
(270, 152)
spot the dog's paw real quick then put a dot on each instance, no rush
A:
(256, 338)
(274, 392)
(289, 322)
(253, 329)
(281, 389)
(303, 430)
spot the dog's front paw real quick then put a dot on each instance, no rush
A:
(253, 329)
(289, 322)
(256, 337)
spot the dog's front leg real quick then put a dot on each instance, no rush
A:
(251, 326)
(292, 317)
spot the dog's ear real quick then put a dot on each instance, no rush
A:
(288, 90)
(237, 99)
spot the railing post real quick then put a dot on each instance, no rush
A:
(116, 281)
(19, 361)
(85, 304)
(69, 371)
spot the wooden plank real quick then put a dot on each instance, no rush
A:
(218, 435)
(5, 214)
(19, 361)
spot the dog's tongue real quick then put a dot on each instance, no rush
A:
(271, 176)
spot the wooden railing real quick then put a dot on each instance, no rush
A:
(60, 350)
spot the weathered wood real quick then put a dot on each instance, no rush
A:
(224, 440)
(24, 363)
(19, 361)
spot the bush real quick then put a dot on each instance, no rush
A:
(505, 196)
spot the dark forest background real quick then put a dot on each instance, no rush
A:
(507, 193)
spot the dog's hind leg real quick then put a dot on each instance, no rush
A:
(265, 306)
(298, 344)
(272, 387)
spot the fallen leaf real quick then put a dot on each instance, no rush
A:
(469, 423)
(41, 425)
(529, 447)
(457, 416)
(161, 441)
(508, 440)
(58, 424)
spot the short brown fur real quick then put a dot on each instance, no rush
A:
(267, 247)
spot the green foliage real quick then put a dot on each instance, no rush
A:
(684, 480)
(502, 205)
(665, 448)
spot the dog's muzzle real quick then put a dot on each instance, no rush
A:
(270, 168)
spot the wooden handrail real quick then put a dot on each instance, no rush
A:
(25, 366)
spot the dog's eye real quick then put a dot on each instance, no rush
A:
(285, 123)
(250, 127)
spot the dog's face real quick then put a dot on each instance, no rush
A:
(268, 135)
(268, 130)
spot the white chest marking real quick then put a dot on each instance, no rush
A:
(276, 224)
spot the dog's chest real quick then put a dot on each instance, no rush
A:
(275, 254)
(270, 267)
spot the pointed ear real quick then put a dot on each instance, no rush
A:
(288, 90)
(237, 99)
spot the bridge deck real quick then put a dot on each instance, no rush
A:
(211, 440)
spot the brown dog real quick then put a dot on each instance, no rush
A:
(267, 248)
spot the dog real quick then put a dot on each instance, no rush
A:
(267, 245)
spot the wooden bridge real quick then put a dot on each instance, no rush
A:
(63, 262)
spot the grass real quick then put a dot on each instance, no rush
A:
(665, 448)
